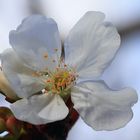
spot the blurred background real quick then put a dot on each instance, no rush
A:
(124, 70)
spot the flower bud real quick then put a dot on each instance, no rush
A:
(5, 112)
(5, 87)
(13, 125)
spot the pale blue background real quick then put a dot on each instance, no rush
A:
(124, 70)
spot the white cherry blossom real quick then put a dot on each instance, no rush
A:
(34, 64)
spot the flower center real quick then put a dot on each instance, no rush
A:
(60, 81)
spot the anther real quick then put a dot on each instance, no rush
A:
(45, 55)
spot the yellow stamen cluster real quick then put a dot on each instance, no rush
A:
(60, 81)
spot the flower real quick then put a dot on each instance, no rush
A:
(34, 64)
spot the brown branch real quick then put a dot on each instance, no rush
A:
(130, 29)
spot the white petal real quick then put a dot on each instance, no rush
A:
(40, 109)
(102, 108)
(55, 110)
(36, 38)
(19, 76)
(91, 45)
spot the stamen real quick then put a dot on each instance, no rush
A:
(61, 79)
